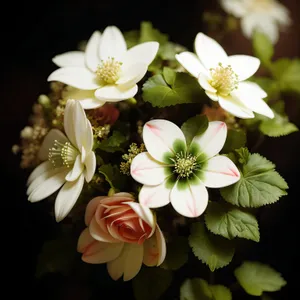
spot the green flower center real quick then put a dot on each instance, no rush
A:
(109, 71)
(224, 80)
(185, 165)
(62, 154)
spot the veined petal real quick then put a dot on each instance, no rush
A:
(112, 44)
(143, 212)
(244, 66)
(209, 51)
(219, 172)
(114, 93)
(99, 234)
(78, 77)
(90, 166)
(69, 59)
(191, 63)
(91, 209)
(48, 142)
(39, 170)
(212, 140)
(46, 184)
(128, 263)
(162, 137)
(250, 94)
(155, 249)
(204, 82)
(99, 252)
(91, 52)
(76, 170)
(235, 107)
(143, 53)
(67, 198)
(190, 200)
(131, 74)
(155, 196)
(146, 170)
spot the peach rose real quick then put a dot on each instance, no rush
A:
(123, 234)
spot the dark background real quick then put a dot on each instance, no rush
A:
(32, 33)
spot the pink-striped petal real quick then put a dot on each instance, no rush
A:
(191, 200)
(219, 172)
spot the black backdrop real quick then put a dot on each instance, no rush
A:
(32, 33)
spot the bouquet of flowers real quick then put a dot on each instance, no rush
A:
(148, 153)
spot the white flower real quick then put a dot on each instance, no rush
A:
(222, 77)
(69, 159)
(106, 71)
(173, 172)
(263, 15)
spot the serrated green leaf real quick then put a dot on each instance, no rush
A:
(177, 254)
(151, 283)
(262, 47)
(287, 72)
(231, 222)
(278, 126)
(194, 126)
(243, 155)
(256, 278)
(199, 289)
(185, 89)
(214, 251)
(259, 185)
(113, 176)
(235, 139)
(113, 143)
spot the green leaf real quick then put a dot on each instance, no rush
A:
(269, 85)
(262, 47)
(259, 185)
(132, 38)
(287, 72)
(235, 139)
(199, 289)
(243, 155)
(113, 176)
(169, 75)
(214, 251)
(148, 33)
(177, 254)
(151, 283)
(113, 143)
(256, 278)
(231, 222)
(57, 256)
(185, 89)
(278, 126)
(194, 126)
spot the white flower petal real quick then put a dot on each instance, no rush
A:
(76, 170)
(191, 63)
(128, 263)
(237, 8)
(161, 137)
(144, 169)
(209, 51)
(155, 196)
(91, 52)
(69, 121)
(191, 200)
(219, 172)
(48, 142)
(39, 170)
(281, 14)
(90, 166)
(212, 96)
(91, 103)
(212, 140)
(77, 77)
(99, 252)
(69, 59)
(113, 93)
(143, 53)
(46, 184)
(155, 249)
(132, 74)
(67, 198)
(244, 65)
(204, 82)
(235, 107)
(112, 44)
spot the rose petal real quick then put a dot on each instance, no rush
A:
(84, 240)
(91, 209)
(99, 234)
